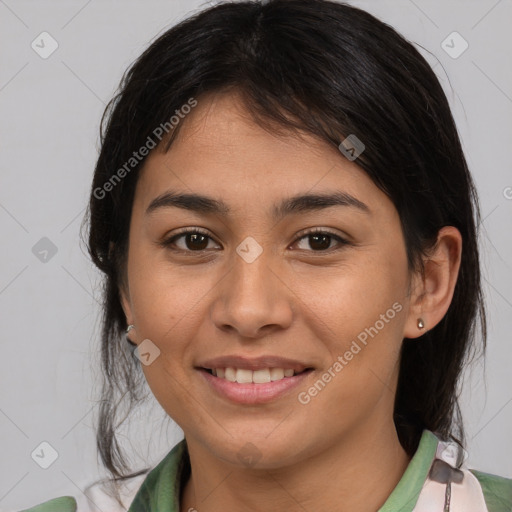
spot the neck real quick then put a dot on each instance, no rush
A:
(356, 474)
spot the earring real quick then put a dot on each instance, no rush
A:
(421, 323)
(128, 329)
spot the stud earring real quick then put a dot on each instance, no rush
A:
(129, 328)
(421, 323)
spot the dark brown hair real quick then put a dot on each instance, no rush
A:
(326, 69)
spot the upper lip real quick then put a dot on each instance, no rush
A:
(254, 363)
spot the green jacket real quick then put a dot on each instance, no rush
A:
(419, 490)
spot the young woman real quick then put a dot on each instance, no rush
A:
(287, 228)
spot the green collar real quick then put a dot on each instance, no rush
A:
(406, 493)
(161, 489)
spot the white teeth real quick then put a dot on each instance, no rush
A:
(230, 374)
(276, 374)
(244, 376)
(261, 376)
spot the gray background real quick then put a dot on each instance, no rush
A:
(50, 112)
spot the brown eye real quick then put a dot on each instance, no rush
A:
(192, 241)
(320, 241)
(196, 241)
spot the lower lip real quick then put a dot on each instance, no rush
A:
(253, 393)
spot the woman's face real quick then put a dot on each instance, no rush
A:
(254, 285)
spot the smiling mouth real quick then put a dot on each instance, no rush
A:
(262, 376)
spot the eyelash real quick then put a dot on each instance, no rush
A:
(315, 231)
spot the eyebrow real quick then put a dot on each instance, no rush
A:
(296, 204)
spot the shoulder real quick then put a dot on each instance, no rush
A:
(63, 504)
(469, 489)
(140, 488)
(96, 497)
(497, 490)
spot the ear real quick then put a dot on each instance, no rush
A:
(433, 289)
(124, 296)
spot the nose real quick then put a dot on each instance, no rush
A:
(252, 299)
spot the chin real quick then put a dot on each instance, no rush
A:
(254, 450)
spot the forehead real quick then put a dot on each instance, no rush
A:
(221, 151)
(221, 128)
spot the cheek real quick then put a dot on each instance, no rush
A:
(353, 297)
(165, 314)
(169, 305)
(364, 336)
(165, 298)
(358, 313)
